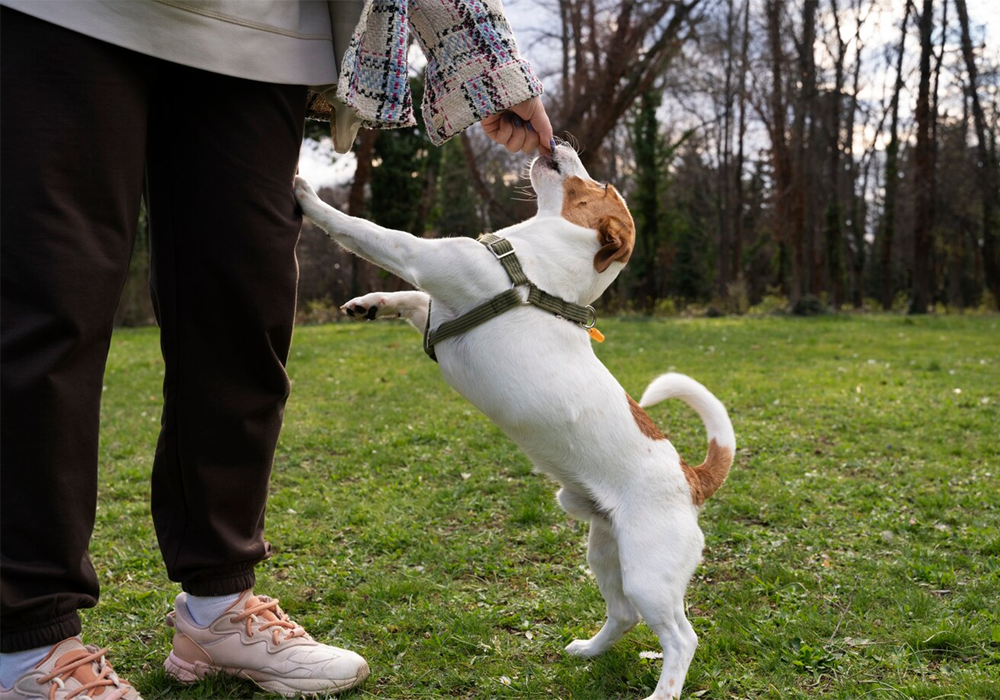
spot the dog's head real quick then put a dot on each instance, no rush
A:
(565, 189)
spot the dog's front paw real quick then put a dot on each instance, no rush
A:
(302, 188)
(584, 648)
(306, 197)
(369, 306)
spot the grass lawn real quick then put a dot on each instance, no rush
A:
(854, 551)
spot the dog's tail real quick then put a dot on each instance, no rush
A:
(707, 477)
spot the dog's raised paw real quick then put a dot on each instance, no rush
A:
(360, 312)
(309, 201)
(367, 307)
(303, 189)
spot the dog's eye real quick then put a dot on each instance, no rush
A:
(582, 203)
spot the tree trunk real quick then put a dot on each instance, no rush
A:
(738, 233)
(362, 272)
(857, 226)
(780, 154)
(892, 178)
(943, 261)
(989, 170)
(803, 259)
(922, 284)
(725, 149)
(834, 215)
(485, 196)
(427, 198)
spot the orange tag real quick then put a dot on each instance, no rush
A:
(595, 335)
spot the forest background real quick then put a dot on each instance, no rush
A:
(803, 156)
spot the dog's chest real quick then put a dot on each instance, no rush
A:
(544, 388)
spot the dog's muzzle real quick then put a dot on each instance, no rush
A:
(548, 163)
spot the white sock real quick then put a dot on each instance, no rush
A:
(16, 663)
(204, 609)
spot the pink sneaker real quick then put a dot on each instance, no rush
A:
(255, 639)
(71, 670)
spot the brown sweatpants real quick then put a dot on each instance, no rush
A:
(86, 128)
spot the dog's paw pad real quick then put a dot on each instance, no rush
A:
(355, 311)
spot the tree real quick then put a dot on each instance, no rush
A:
(989, 180)
(856, 247)
(455, 213)
(363, 273)
(784, 183)
(645, 205)
(738, 205)
(922, 282)
(611, 55)
(805, 268)
(834, 213)
(888, 224)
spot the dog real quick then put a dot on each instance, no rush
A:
(531, 369)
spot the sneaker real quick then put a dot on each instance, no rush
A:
(71, 670)
(255, 639)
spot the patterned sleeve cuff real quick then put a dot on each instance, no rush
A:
(492, 92)
(474, 69)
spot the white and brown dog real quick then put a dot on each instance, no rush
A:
(536, 376)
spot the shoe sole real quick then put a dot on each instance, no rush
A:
(193, 671)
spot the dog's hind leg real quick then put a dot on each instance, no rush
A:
(659, 556)
(602, 556)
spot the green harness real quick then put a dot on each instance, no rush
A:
(503, 250)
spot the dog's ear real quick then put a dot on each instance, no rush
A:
(616, 238)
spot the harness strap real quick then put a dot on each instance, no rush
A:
(584, 315)
(467, 321)
(504, 251)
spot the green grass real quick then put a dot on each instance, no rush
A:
(853, 553)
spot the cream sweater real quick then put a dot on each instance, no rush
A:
(273, 41)
(473, 69)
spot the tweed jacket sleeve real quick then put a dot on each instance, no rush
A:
(473, 66)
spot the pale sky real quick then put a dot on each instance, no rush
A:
(530, 18)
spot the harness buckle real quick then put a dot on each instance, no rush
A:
(500, 256)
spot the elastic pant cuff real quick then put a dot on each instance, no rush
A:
(48, 634)
(220, 585)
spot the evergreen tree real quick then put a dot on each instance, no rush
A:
(399, 164)
(691, 213)
(648, 147)
(455, 211)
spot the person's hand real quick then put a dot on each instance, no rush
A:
(524, 127)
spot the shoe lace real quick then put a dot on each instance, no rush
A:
(105, 678)
(282, 623)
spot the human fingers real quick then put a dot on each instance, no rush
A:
(524, 137)
(517, 135)
(505, 130)
(491, 125)
(533, 112)
(530, 140)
